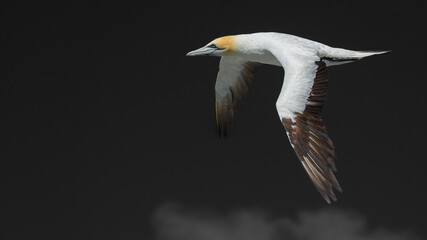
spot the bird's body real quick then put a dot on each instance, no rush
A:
(258, 47)
(303, 92)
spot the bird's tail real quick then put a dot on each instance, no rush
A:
(337, 56)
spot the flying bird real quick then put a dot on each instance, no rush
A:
(302, 96)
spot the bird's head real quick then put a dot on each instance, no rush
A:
(222, 46)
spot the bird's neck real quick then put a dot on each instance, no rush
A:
(254, 47)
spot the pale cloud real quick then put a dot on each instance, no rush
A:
(176, 223)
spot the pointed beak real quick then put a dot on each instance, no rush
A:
(201, 52)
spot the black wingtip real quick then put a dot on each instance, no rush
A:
(222, 132)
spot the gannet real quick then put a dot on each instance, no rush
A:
(300, 101)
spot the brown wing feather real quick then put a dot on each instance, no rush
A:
(224, 107)
(310, 140)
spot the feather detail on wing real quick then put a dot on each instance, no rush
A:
(231, 87)
(308, 136)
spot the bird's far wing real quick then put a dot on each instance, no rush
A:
(231, 86)
(300, 107)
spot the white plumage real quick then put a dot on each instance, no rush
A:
(300, 101)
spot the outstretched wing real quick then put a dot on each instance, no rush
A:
(300, 107)
(231, 86)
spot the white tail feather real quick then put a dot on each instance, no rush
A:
(337, 56)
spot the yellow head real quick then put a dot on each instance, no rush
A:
(226, 43)
(223, 46)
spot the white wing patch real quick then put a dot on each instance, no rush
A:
(296, 88)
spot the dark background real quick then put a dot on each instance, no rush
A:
(103, 118)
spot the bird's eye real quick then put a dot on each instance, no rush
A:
(212, 46)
